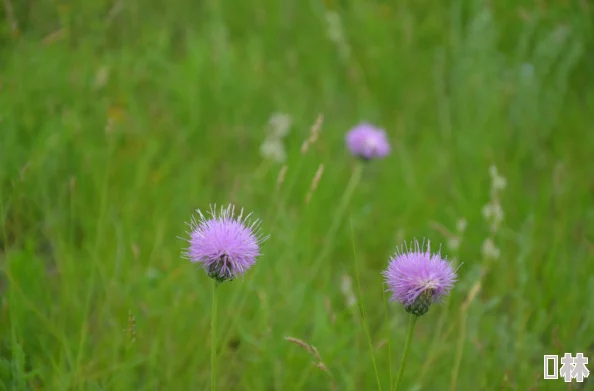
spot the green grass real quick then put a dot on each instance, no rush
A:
(119, 119)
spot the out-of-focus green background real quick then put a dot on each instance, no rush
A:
(119, 118)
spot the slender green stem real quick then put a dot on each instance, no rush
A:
(389, 338)
(280, 201)
(344, 203)
(213, 334)
(411, 326)
(362, 309)
(342, 207)
(459, 350)
(463, 320)
(437, 336)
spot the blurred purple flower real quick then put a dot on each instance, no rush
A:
(368, 142)
(225, 244)
(418, 278)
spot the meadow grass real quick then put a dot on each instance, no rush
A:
(119, 118)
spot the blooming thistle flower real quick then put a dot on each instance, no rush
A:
(225, 244)
(418, 278)
(368, 142)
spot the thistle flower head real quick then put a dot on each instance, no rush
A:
(418, 278)
(224, 243)
(368, 142)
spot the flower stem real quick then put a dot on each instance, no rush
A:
(411, 326)
(213, 334)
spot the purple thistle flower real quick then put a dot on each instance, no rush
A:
(368, 142)
(418, 278)
(226, 245)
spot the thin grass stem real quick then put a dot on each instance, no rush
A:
(362, 309)
(387, 323)
(342, 207)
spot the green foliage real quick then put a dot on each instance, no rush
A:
(119, 118)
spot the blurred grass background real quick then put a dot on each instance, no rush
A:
(118, 118)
